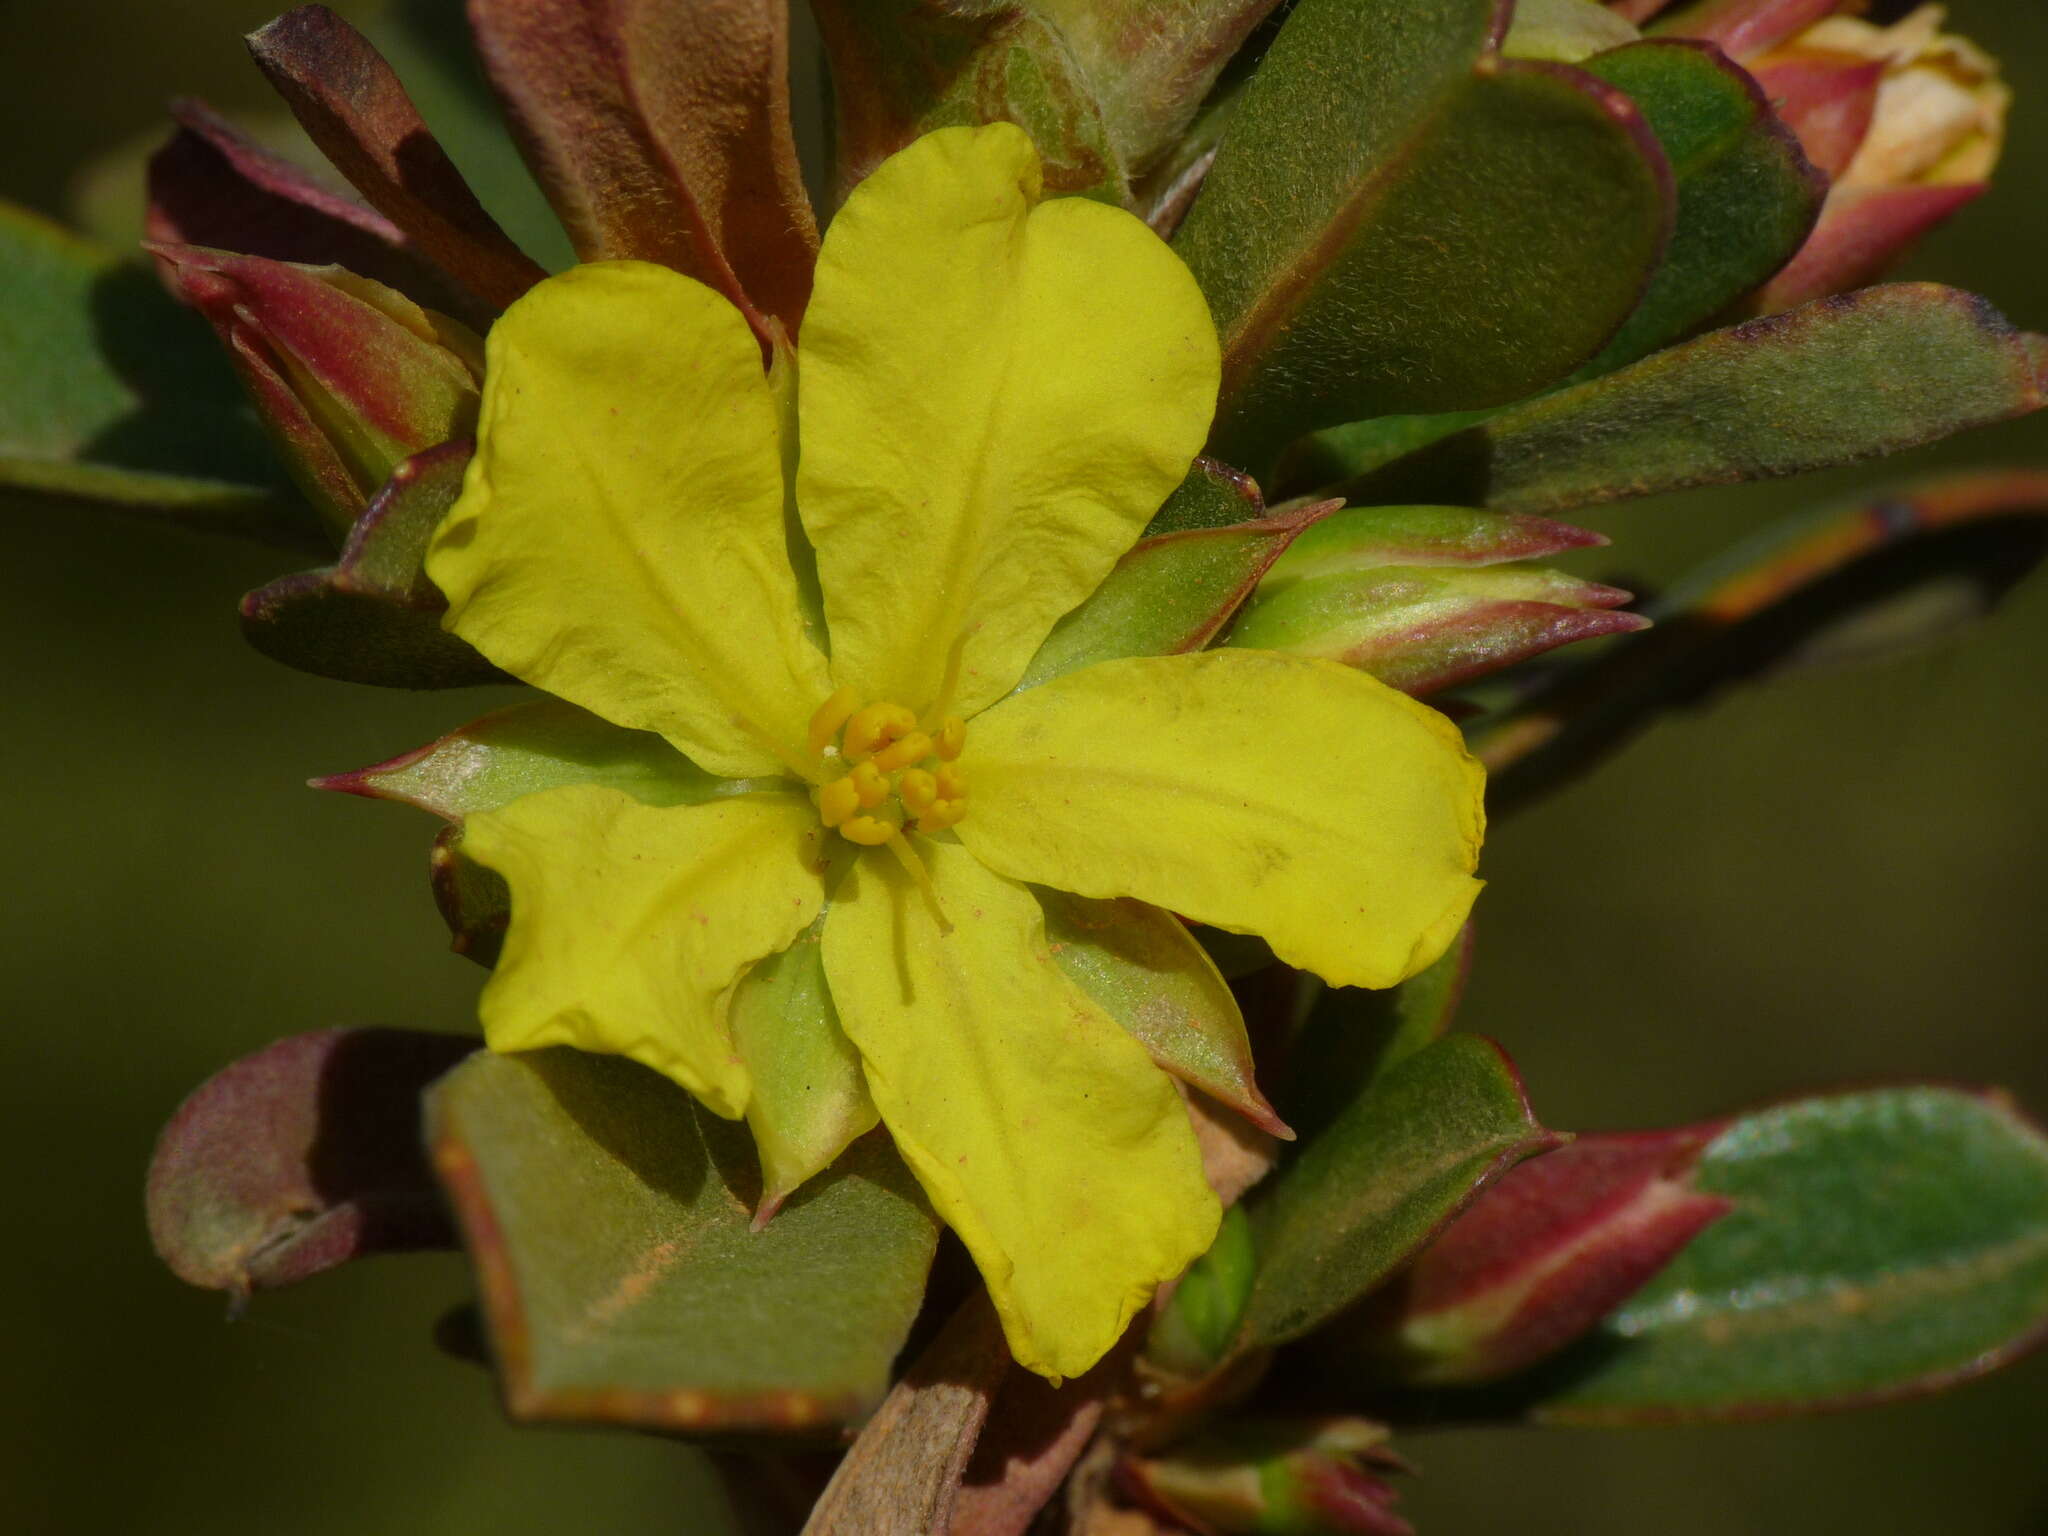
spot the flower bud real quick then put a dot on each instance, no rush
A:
(1537, 1260)
(1906, 119)
(1427, 598)
(350, 377)
(1312, 1478)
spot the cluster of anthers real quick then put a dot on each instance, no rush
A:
(897, 771)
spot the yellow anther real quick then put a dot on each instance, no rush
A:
(868, 831)
(914, 748)
(941, 815)
(952, 783)
(876, 726)
(838, 800)
(952, 737)
(918, 790)
(869, 784)
(831, 715)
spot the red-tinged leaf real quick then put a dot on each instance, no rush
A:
(301, 1157)
(373, 617)
(608, 1218)
(1381, 1181)
(1744, 28)
(901, 68)
(353, 107)
(1863, 233)
(661, 132)
(1828, 99)
(212, 186)
(1170, 593)
(1213, 495)
(352, 377)
(1536, 1261)
(1843, 584)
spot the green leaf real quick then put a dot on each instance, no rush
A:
(608, 1216)
(1747, 197)
(113, 394)
(1381, 1180)
(1146, 971)
(1842, 584)
(1212, 496)
(1352, 1036)
(1880, 1243)
(1853, 377)
(373, 617)
(1169, 593)
(1399, 221)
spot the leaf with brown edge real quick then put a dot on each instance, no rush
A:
(1839, 585)
(661, 132)
(901, 68)
(1853, 377)
(609, 1220)
(301, 1157)
(1398, 220)
(373, 617)
(211, 185)
(1879, 1244)
(354, 108)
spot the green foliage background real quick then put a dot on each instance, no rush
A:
(1836, 879)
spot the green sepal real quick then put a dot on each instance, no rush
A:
(1145, 970)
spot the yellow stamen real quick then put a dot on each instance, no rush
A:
(870, 831)
(914, 748)
(838, 800)
(913, 866)
(952, 783)
(831, 715)
(870, 784)
(875, 726)
(918, 790)
(952, 737)
(950, 683)
(941, 815)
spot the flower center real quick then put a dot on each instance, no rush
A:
(896, 773)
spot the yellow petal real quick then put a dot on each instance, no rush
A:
(620, 538)
(996, 395)
(1042, 1132)
(629, 921)
(1292, 798)
(809, 1099)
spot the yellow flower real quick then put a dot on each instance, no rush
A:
(828, 589)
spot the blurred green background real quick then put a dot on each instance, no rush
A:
(1839, 878)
